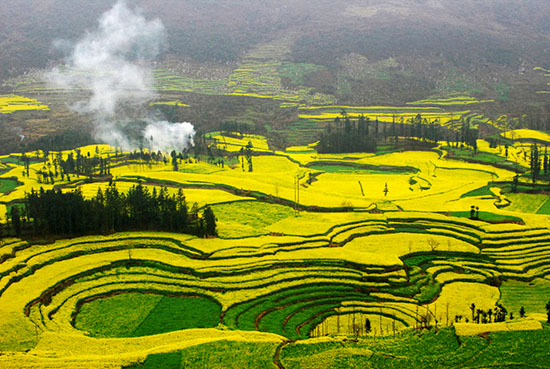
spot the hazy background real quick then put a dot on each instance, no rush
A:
(493, 31)
(366, 52)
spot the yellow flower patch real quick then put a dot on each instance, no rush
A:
(12, 103)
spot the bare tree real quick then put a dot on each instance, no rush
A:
(433, 244)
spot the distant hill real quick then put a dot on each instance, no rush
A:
(368, 52)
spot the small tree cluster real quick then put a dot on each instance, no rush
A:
(539, 164)
(57, 213)
(363, 135)
(480, 316)
(246, 153)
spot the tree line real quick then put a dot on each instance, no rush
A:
(363, 135)
(495, 315)
(539, 164)
(53, 212)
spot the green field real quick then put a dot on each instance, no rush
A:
(490, 217)
(531, 295)
(340, 168)
(482, 191)
(481, 157)
(141, 314)
(7, 185)
(544, 208)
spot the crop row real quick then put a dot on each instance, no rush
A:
(287, 287)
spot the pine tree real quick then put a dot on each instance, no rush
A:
(210, 222)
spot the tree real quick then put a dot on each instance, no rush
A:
(478, 315)
(174, 160)
(548, 312)
(57, 213)
(248, 152)
(16, 220)
(349, 136)
(433, 244)
(545, 162)
(473, 308)
(522, 312)
(535, 163)
(368, 328)
(500, 313)
(210, 222)
(515, 183)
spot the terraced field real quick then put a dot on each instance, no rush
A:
(292, 272)
(455, 100)
(386, 114)
(286, 286)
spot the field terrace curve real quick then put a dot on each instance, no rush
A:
(270, 288)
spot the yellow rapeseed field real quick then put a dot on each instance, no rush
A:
(518, 134)
(13, 103)
(469, 329)
(456, 100)
(376, 235)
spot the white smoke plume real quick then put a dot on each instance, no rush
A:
(165, 135)
(111, 63)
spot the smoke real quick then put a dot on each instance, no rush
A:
(111, 63)
(162, 135)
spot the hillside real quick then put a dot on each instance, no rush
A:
(361, 53)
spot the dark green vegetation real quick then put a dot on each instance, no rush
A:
(545, 208)
(364, 135)
(347, 169)
(482, 191)
(487, 216)
(135, 314)
(13, 160)
(170, 360)
(473, 156)
(7, 185)
(342, 167)
(53, 212)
